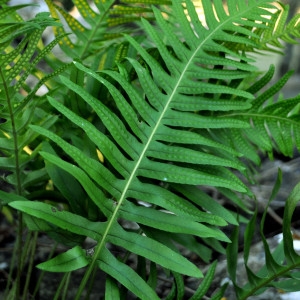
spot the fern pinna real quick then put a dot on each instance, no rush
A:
(281, 269)
(17, 63)
(182, 122)
(100, 25)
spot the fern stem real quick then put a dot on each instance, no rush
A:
(38, 283)
(66, 287)
(87, 275)
(18, 184)
(62, 285)
(19, 254)
(32, 248)
(91, 284)
(265, 281)
(10, 274)
(14, 134)
(92, 36)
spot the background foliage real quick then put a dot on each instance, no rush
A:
(148, 107)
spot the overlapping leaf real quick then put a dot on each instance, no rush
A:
(179, 125)
(275, 125)
(153, 139)
(98, 21)
(280, 30)
(270, 38)
(17, 63)
(281, 265)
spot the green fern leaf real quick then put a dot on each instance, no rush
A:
(9, 10)
(206, 283)
(132, 241)
(275, 126)
(266, 36)
(131, 280)
(111, 289)
(279, 265)
(102, 23)
(279, 30)
(293, 199)
(70, 260)
(272, 265)
(145, 159)
(18, 63)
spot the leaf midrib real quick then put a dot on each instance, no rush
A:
(267, 118)
(158, 123)
(93, 32)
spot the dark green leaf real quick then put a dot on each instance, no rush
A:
(70, 260)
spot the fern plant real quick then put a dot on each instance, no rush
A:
(144, 130)
(20, 54)
(101, 26)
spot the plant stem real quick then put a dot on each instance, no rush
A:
(10, 274)
(37, 286)
(61, 285)
(65, 289)
(19, 254)
(18, 186)
(32, 245)
(91, 284)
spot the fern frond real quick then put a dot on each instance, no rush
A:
(274, 125)
(17, 63)
(100, 23)
(161, 138)
(279, 30)
(147, 152)
(9, 10)
(206, 283)
(266, 35)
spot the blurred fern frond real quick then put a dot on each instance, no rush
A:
(19, 57)
(267, 36)
(280, 30)
(98, 22)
